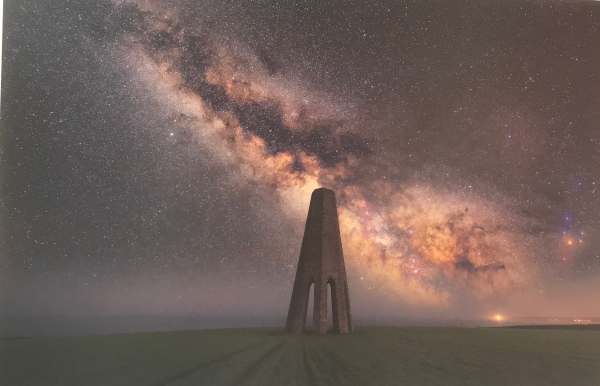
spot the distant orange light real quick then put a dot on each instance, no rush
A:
(498, 318)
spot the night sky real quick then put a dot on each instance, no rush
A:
(158, 156)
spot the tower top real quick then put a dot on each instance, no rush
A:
(322, 190)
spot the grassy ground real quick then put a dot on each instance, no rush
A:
(372, 356)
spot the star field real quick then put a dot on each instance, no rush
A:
(158, 156)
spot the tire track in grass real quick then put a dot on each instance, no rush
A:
(253, 369)
(329, 366)
(290, 369)
(226, 371)
(321, 367)
(348, 371)
(311, 374)
(285, 367)
(192, 370)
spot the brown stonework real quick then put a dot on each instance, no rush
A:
(321, 263)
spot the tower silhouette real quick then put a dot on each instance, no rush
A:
(321, 263)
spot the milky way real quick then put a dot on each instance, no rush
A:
(464, 156)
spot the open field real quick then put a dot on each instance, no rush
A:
(370, 356)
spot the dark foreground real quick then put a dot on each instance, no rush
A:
(373, 356)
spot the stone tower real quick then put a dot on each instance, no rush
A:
(321, 263)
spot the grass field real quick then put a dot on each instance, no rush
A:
(370, 356)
